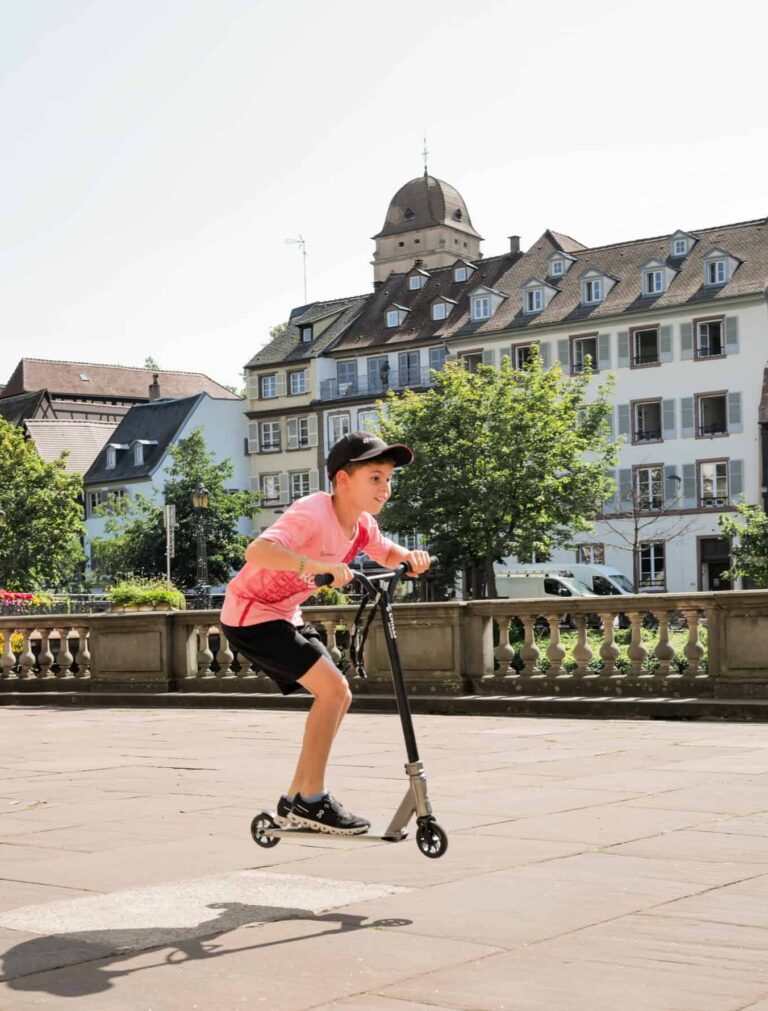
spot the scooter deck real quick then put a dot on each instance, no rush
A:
(371, 836)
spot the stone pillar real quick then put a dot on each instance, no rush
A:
(131, 651)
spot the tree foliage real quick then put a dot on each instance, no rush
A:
(749, 544)
(41, 542)
(136, 534)
(507, 462)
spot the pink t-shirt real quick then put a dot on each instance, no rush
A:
(309, 527)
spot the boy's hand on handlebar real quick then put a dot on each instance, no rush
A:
(418, 561)
(342, 574)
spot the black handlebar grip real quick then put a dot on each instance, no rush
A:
(324, 579)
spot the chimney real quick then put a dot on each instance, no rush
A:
(418, 263)
(514, 243)
(154, 387)
(377, 285)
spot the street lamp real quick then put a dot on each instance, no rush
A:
(200, 501)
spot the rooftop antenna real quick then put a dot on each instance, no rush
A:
(301, 243)
(425, 152)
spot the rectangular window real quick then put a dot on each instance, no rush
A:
(481, 307)
(393, 317)
(648, 487)
(713, 484)
(270, 436)
(522, 355)
(652, 566)
(438, 310)
(270, 487)
(654, 282)
(534, 300)
(645, 346)
(408, 369)
(302, 431)
(590, 554)
(556, 268)
(368, 421)
(306, 334)
(460, 274)
(709, 338)
(299, 485)
(647, 422)
(378, 374)
(716, 272)
(338, 425)
(437, 358)
(583, 348)
(268, 386)
(104, 501)
(593, 291)
(346, 377)
(415, 282)
(680, 247)
(713, 414)
(297, 382)
(471, 359)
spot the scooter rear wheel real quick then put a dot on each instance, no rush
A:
(260, 827)
(431, 839)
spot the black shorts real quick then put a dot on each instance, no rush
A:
(283, 651)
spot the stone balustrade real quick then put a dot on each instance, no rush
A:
(446, 648)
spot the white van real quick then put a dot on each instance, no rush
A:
(518, 585)
(604, 580)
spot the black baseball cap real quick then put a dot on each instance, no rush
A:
(355, 447)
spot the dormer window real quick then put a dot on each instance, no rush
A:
(559, 263)
(592, 291)
(719, 266)
(653, 282)
(483, 302)
(138, 454)
(460, 274)
(415, 282)
(481, 307)
(111, 458)
(442, 307)
(717, 272)
(680, 244)
(557, 268)
(679, 247)
(307, 334)
(534, 300)
(537, 294)
(395, 315)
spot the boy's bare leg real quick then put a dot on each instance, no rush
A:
(332, 700)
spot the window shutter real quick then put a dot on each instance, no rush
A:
(686, 341)
(255, 483)
(306, 380)
(624, 423)
(671, 486)
(687, 421)
(312, 429)
(731, 335)
(314, 482)
(253, 436)
(252, 385)
(668, 425)
(293, 433)
(489, 357)
(689, 486)
(665, 343)
(625, 490)
(611, 504)
(735, 479)
(545, 354)
(603, 351)
(280, 384)
(283, 484)
(623, 339)
(734, 413)
(564, 354)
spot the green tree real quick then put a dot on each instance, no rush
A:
(150, 363)
(508, 462)
(277, 329)
(136, 541)
(749, 544)
(41, 542)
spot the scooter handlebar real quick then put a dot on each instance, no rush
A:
(325, 578)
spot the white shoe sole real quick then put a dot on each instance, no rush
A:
(317, 826)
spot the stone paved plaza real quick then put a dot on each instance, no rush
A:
(593, 866)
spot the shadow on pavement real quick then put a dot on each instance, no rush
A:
(28, 966)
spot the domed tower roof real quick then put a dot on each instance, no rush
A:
(424, 202)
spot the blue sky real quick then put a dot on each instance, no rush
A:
(157, 153)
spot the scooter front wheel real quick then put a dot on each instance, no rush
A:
(260, 827)
(431, 839)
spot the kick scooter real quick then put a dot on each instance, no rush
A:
(378, 591)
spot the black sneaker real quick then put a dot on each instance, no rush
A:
(327, 815)
(283, 813)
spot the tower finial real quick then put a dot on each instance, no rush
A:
(425, 153)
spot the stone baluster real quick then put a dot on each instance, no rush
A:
(636, 652)
(582, 651)
(204, 654)
(664, 651)
(83, 654)
(693, 650)
(225, 657)
(27, 658)
(333, 649)
(8, 661)
(609, 651)
(504, 651)
(46, 656)
(529, 651)
(555, 650)
(65, 658)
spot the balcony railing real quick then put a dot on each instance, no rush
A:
(648, 435)
(715, 428)
(375, 386)
(714, 502)
(651, 358)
